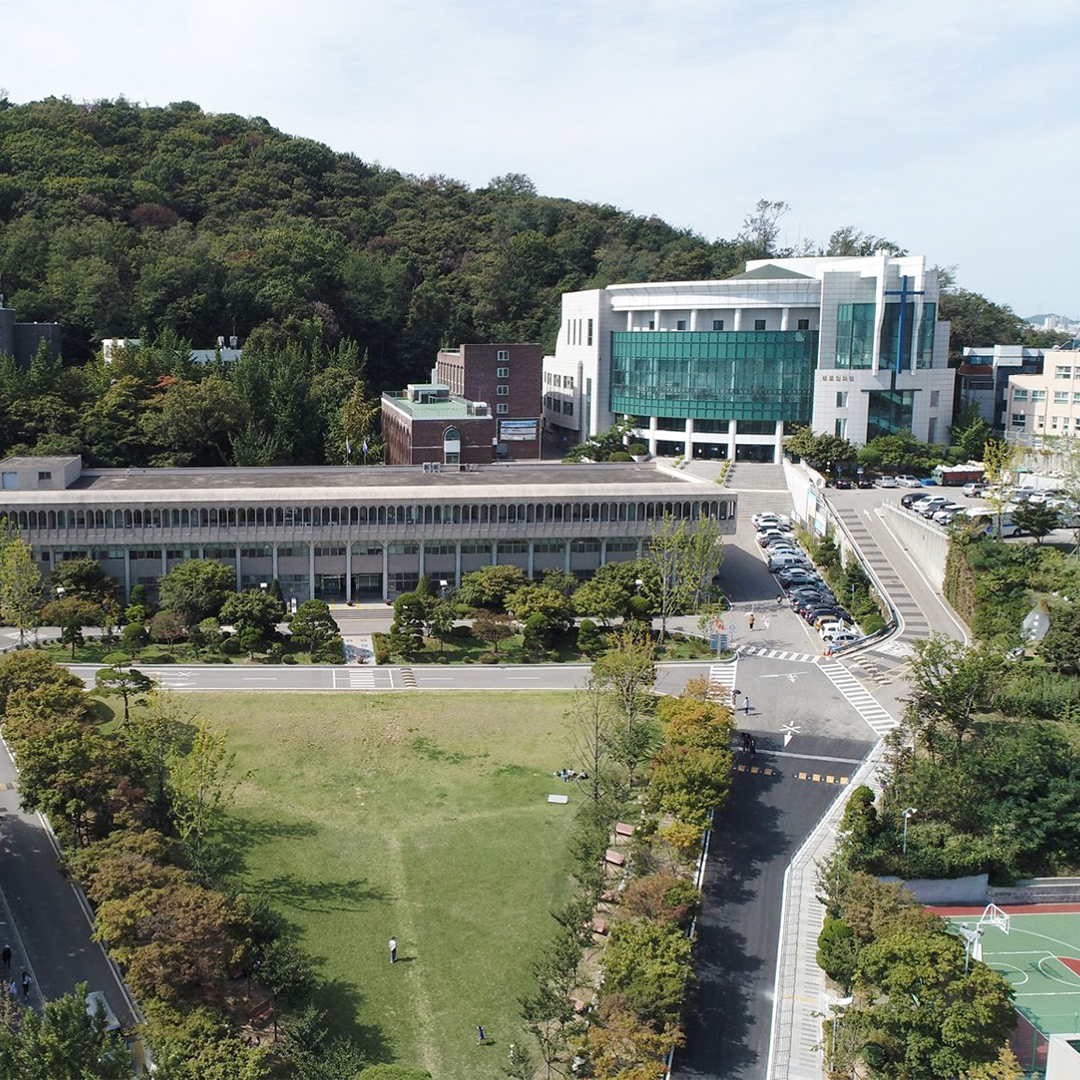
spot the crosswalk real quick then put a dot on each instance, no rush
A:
(779, 654)
(859, 698)
(722, 679)
(356, 679)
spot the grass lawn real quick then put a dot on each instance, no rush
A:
(418, 815)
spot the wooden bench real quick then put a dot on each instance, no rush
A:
(623, 830)
(599, 925)
(615, 858)
(609, 896)
(262, 1014)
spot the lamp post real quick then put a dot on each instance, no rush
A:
(60, 590)
(909, 813)
(837, 1005)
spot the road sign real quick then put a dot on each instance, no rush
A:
(731, 628)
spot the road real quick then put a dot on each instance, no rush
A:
(767, 816)
(43, 917)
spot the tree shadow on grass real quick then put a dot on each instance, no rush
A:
(342, 1003)
(237, 838)
(290, 891)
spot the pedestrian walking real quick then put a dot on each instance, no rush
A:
(25, 984)
(753, 746)
(6, 957)
(780, 599)
(393, 950)
(751, 620)
(735, 698)
(479, 1034)
(746, 705)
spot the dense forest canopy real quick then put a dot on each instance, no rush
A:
(341, 279)
(117, 218)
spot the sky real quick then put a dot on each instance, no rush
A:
(951, 127)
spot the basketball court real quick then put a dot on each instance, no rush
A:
(1037, 948)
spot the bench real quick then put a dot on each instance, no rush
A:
(615, 858)
(609, 896)
(262, 1014)
(622, 829)
(599, 925)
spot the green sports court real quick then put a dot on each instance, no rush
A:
(1040, 955)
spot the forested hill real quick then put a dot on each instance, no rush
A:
(117, 219)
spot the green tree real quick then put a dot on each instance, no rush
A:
(313, 627)
(197, 589)
(407, 629)
(929, 1018)
(489, 586)
(65, 1042)
(609, 593)
(83, 577)
(999, 458)
(193, 422)
(627, 671)
(950, 681)
(823, 452)
(970, 432)
(72, 615)
(127, 683)
(200, 788)
(649, 964)
(1036, 519)
(20, 585)
(255, 610)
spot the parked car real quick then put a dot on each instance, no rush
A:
(974, 491)
(906, 480)
(929, 507)
(864, 482)
(844, 483)
(825, 615)
(797, 576)
(847, 637)
(780, 562)
(808, 604)
(830, 628)
(908, 501)
(765, 535)
(943, 514)
(886, 482)
(767, 517)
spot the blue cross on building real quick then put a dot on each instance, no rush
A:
(904, 293)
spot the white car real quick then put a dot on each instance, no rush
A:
(831, 629)
(846, 637)
(906, 480)
(973, 491)
(885, 482)
(944, 514)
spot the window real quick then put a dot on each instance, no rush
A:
(568, 382)
(841, 399)
(931, 430)
(502, 390)
(568, 408)
(1061, 397)
(1054, 422)
(680, 324)
(11, 480)
(1038, 395)
(1076, 397)
(502, 407)
(803, 324)
(1018, 420)
(652, 325)
(502, 373)
(588, 332)
(43, 476)
(759, 324)
(1020, 394)
(841, 427)
(1063, 372)
(935, 398)
(718, 324)
(502, 355)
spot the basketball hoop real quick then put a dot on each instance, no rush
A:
(994, 916)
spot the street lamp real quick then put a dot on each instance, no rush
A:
(909, 813)
(60, 590)
(262, 585)
(837, 1005)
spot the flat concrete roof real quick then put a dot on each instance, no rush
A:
(333, 484)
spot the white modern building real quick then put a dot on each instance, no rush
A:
(721, 369)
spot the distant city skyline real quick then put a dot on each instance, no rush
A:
(947, 128)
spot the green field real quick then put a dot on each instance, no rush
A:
(418, 815)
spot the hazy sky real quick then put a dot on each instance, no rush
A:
(949, 126)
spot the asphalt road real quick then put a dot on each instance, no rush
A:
(42, 917)
(767, 816)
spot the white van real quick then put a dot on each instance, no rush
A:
(985, 520)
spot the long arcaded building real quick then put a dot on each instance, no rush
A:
(343, 534)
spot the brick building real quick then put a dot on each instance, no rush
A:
(483, 404)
